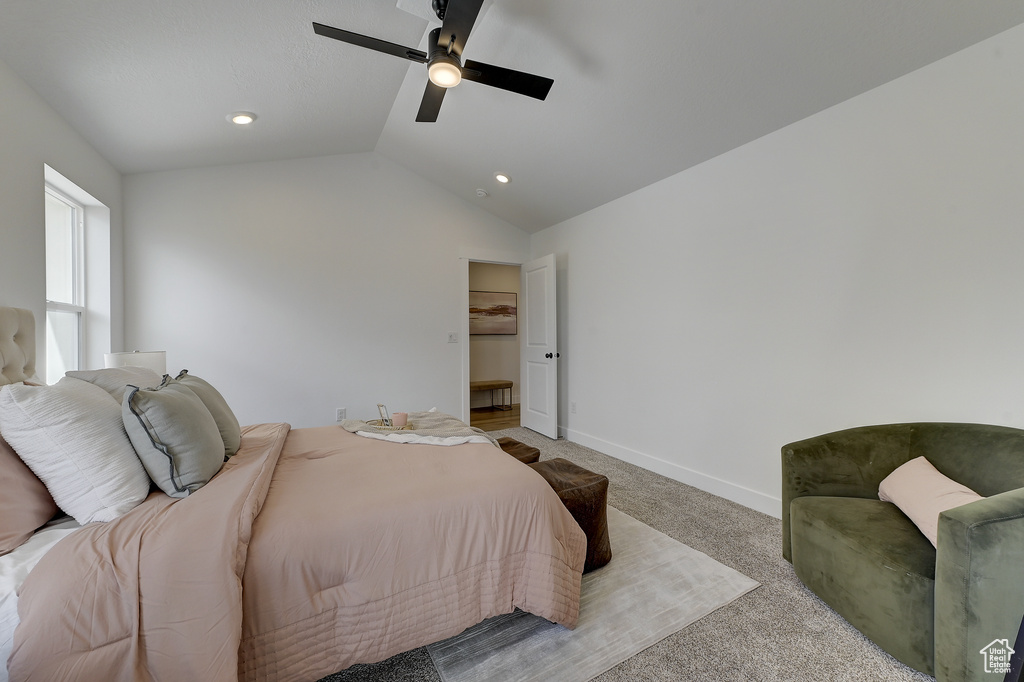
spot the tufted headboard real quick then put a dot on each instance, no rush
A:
(17, 345)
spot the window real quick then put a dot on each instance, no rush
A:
(80, 278)
(65, 289)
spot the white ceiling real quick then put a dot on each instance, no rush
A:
(643, 89)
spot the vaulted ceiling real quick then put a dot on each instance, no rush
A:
(642, 89)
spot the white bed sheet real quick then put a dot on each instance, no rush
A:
(14, 568)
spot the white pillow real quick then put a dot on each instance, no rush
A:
(71, 436)
(922, 493)
(113, 380)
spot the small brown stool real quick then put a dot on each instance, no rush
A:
(521, 451)
(585, 495)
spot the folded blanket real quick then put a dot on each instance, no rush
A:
(427, 428)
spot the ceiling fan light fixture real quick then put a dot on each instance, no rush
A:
(242, 118)
(443, 57)
(444, 72)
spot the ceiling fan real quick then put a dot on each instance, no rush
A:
(444, 61)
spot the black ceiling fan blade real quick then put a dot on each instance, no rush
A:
(507, 79)
(459, 17)
(371, 43)
(431, 103)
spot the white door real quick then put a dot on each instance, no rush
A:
(538, 367)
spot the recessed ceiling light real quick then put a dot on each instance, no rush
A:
(242, 118)
(502, 178)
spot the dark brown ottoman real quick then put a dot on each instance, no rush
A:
(585, 495)
(524, 453)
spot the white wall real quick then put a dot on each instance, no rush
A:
(493, 356)
(32, 135)
(297, 287)
(861, 266)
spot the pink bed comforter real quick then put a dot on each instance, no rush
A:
(312, 550)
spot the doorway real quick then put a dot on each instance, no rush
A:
(494, 353)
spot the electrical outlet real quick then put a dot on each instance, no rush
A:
(453, 337)
(340, 414)
(572, 407)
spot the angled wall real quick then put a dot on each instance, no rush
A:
(33, 135)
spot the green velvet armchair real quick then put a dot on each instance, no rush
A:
(933, 609)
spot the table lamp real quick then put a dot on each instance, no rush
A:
(155, 360)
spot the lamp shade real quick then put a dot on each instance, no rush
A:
(155, 360)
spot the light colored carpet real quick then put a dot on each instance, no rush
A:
(653, 587)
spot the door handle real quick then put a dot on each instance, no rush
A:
(549, 355)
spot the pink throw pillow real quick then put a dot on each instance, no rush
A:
(922, 493)
(25, 504)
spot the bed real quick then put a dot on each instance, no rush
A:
(309, 550)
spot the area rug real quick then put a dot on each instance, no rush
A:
(653, 587)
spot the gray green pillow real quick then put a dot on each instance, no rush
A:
(175, 436)
(227, 423)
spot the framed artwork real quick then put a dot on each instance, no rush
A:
(492, 312)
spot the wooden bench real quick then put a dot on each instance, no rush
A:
(492, 386)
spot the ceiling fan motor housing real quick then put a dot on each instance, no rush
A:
(437, 50)
(442, 59)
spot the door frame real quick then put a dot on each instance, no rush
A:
(466, 256)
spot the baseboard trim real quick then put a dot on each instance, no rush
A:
(758, 501)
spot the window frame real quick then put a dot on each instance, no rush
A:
(79, 295)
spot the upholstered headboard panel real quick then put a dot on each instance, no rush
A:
(17, 345)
